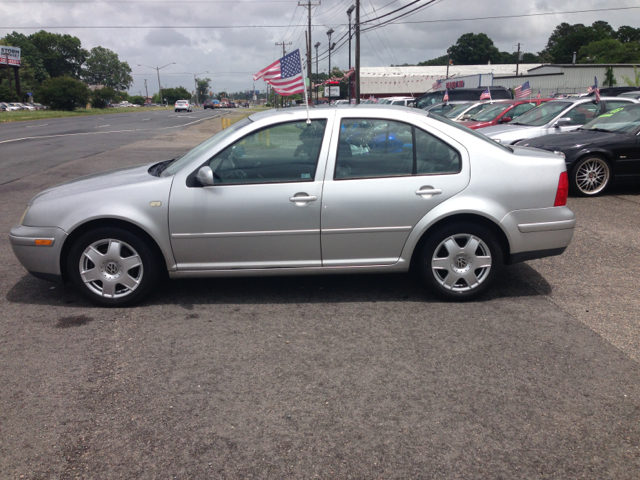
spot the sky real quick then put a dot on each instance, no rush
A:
(247, 43)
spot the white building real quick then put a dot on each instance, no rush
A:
(548, 79)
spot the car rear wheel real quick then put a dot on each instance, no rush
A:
(113, 267)
(461, 261)
(591, 176)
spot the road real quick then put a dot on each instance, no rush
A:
(30, 147)
(356, 377)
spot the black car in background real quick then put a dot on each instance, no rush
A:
(614, 91)
(601, 151)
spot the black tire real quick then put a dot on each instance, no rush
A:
(448, 271)
(590, 176)
(113, 267)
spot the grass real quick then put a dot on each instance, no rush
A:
(26, 115)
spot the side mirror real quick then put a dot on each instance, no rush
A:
(562, 122)
(205, 176)
(505, 119)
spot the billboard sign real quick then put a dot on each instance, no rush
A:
(10, 56)
(332, 91)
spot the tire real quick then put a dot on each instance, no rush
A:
(176, 110)
(453, 269)
(590, 176)
(113, 267)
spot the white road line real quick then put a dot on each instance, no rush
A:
(145, 119)
(102, 126)
(103, 133)
(37, 126)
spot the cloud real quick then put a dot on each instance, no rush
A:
(166, 38)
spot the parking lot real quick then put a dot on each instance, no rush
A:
(324, 377)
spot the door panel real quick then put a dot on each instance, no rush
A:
(263, 211)
(376, 191)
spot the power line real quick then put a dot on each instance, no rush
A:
(209, 27)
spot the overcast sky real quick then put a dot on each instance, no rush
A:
(232, 55)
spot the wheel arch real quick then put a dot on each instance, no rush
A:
(102, 223)
(597, 152)
(468, 218)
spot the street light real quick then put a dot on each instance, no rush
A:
(349, 12)
(317, 45)
(329, 32)
(157, 69)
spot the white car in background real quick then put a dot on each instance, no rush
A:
(14, 107)
(400, 101)
(27, 106)
(182, 105)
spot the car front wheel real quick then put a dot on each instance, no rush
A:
(112, 267)
(461, 261)
(591, 176)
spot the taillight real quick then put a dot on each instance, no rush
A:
(563, 190)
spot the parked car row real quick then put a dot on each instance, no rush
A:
(14, 106)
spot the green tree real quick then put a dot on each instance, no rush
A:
(171, 95)
(610, 51)
(137, 99)
(30, 56)
(62, 55)
(102, 97)
(203, 89)
(567, 39)
(63, 93)
(434, 61)
(626, 34)
(472, 49)
(7, 95)
(609, 78)
(103, 67)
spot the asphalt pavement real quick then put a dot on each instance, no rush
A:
(362, 377)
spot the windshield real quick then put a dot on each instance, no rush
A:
(458, 109)
(621, 120)
(542, 114)
(475, 133)
(429, 99)
(490, 113)
(204, 146)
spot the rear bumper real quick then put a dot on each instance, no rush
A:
(538, 233)
(41, 261)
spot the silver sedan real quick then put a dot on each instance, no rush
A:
(347, 190)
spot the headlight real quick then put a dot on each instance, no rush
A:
(24, 214)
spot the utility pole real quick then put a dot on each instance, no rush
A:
(349, 12)
(157, 69)
(284, 52)
(317, 45)
(308, 6)
(518, 60)
(448, 63)
(145, 88)
(357, 52)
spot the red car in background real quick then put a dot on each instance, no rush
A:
(502, 111)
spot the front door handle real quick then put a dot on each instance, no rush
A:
(302, 199)
(428, 191)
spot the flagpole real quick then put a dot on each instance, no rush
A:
(306, 98)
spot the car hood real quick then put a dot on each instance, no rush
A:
(475, 125)
(571, 140)
(97, 181)
(505, 128)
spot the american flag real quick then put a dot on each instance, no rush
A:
(446, 95)
(523, 91)
(437, 84)
(285, 74)
(595, 89)
(486, 95)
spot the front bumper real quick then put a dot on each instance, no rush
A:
(42, 261)
(539, 232)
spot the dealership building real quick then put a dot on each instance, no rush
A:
(379, 82)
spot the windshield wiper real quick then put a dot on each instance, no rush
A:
(599, 130)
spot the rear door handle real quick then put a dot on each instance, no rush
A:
(428, 192)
